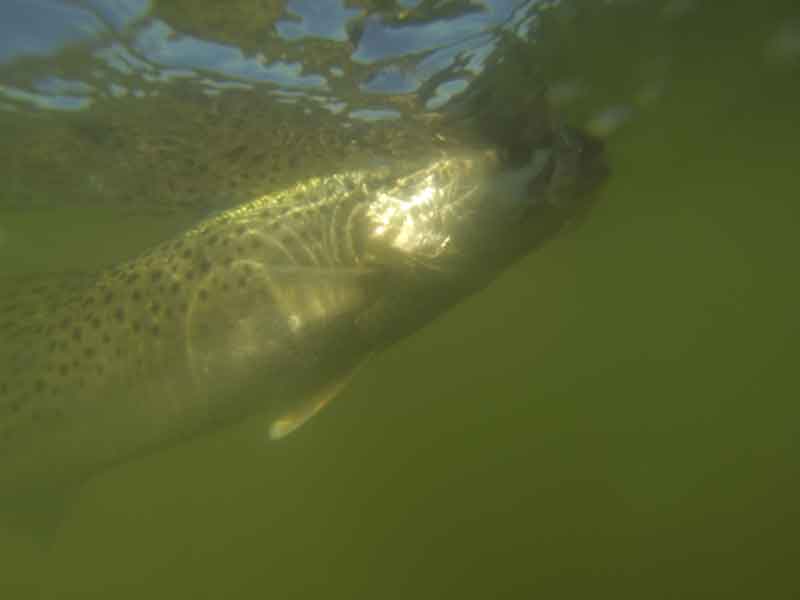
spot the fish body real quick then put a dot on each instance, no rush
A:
(265, 306)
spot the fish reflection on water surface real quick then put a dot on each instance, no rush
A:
(286, 295)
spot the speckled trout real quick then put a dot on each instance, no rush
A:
(267, 307)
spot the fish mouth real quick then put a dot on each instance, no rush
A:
(574, 166)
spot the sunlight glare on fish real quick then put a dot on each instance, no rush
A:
(409, 220)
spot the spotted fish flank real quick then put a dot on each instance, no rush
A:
(268, 306)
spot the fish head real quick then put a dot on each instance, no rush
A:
(483, 206)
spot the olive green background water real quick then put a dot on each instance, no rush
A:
(617, 417)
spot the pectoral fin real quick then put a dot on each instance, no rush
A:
(298, 416)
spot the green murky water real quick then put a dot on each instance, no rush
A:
(615, 417)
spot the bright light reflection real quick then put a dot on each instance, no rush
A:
(410, 224)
